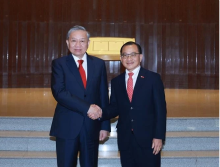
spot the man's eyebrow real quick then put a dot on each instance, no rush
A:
(77, 38)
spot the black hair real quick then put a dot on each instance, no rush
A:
(131, 43)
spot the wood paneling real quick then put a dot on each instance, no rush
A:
(179, 38)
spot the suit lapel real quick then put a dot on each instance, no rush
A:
(90, 70)
(123, 86)
(74, 70)
(140, 81)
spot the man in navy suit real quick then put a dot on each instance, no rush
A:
(78, 81)
(137, 97)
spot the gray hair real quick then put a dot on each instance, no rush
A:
(76, 28)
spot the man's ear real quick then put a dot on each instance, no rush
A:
(67, 42)
(121, 59)
(141, 57)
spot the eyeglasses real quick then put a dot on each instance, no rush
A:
(131, 55)
(82, 42)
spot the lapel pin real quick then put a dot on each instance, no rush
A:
(142, 76)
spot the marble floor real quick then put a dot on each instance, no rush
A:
(39, 102)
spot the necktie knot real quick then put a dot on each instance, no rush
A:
(80, 62)
(130, 74)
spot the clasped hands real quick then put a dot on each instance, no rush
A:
(94, 112)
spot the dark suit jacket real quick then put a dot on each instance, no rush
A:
(146, 114)
(73, 101)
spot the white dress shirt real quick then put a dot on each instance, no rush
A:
(84, 58)
(134, 77)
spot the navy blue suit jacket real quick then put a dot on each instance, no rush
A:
(73, 101)
(146, 114)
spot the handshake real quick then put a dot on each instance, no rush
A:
(94, 112)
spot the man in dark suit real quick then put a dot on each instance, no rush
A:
(78, 81)
(137, 97)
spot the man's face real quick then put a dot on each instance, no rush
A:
(78, 43)
(131, 62)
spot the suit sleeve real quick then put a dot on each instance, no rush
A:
(63, 96)
(104, 98)
(160, 108)
(111, 111)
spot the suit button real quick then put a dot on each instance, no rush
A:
(131, 108)
(132, 120)
(84, 95)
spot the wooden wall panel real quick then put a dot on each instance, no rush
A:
(179, 38)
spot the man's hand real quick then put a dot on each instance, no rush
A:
(103, 134)
(157, 146)
(94, 112)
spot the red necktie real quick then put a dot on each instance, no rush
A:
(82, 72)
(130, 86)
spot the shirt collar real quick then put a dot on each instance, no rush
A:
(135, 71)
(84, 58)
